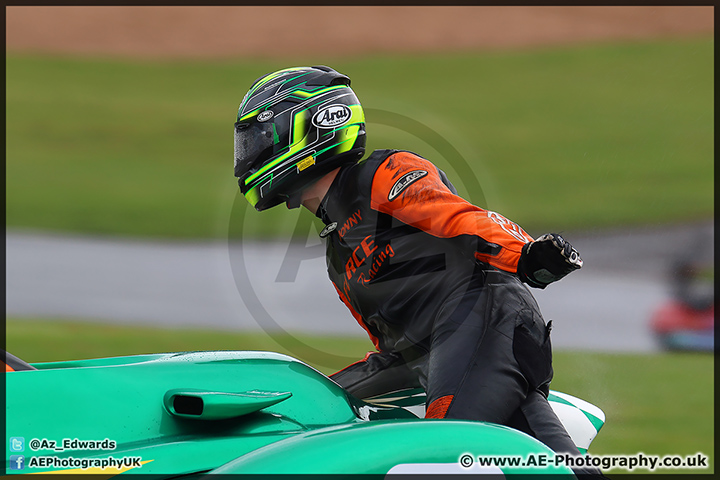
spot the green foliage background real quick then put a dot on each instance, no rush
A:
(569, 138)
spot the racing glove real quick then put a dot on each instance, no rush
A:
(547, 260)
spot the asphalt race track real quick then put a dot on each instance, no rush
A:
(605, 306)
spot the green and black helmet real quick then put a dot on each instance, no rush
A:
(294, 126)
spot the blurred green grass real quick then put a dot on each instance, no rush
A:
(565, 138)
(660, 404)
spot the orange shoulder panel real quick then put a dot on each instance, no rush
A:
(410, 189)
(8, 368)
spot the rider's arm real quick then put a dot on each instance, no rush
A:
(411, 189)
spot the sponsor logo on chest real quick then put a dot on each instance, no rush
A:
(368, 257)
(352, 220)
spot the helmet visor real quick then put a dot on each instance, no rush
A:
(253, 145)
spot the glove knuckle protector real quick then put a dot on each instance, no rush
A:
(550, 259)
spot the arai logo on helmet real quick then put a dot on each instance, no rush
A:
(265, 116)
(332, 116)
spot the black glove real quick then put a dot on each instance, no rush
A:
(547, 260)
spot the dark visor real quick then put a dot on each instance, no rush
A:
(253, 144)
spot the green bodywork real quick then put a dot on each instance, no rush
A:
(228, 412)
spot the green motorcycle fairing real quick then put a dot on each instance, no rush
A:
(227, 412)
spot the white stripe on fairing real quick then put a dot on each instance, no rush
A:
(576, 423)
(581, 404)
(443, 468)
(417, 410)
(581, 430)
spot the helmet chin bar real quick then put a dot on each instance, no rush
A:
(294, 200)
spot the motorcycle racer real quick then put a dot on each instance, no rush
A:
(435, 281)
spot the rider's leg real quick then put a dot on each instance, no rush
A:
(490, 349)
(377, 373)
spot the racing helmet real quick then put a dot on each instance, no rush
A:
(294, 126)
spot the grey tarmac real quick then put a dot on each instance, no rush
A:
(605, 306)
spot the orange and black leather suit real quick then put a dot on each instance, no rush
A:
(432, 279)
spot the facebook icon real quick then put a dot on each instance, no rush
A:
(17, 462)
